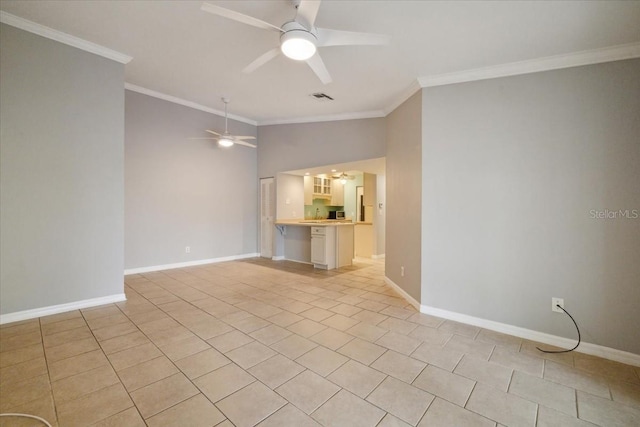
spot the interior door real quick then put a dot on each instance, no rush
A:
(267, 207)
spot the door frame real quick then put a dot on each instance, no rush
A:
(267, 221)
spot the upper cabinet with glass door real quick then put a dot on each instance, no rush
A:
(321, 187)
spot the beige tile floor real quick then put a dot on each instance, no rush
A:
(267, 343)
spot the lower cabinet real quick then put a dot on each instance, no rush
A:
(323, 247)
(318, 250)
(331, 246)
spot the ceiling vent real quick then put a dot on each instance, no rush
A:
(321, 96)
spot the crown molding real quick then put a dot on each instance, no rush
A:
(328, 118)
(184, 102)
(59, 36)
(403, 96)
(575, 59)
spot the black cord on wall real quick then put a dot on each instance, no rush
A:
(577, 329)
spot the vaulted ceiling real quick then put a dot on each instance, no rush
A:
(181, 51)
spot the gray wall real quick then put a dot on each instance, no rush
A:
(512, 168)
(61, 185)
(296, 146)
(290, 203)
(404, 200)
(181, 192)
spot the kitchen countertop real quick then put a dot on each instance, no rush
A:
(314, 222)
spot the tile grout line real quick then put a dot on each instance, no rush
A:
(233, 299)
(113, 368)
(46, 361)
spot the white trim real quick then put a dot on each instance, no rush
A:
(403, 96)
(575, 59)
(60, 308)
(329, 118)
(588, 348)
(313, 119)
(402, 292)
(59, 36)
(149, 269)
(277, 258)
(381, 256)
(184, 102)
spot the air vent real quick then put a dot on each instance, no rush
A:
(321, 96)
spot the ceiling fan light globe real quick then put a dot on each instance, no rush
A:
(225, 142)
(298, 44)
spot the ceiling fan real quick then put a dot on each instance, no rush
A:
(299, 39)
(343, 177)
(226, 139)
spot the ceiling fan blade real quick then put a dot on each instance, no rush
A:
(318, 67)
(262, 59)
(308, 10)
(240, 17)
(245, 143)
(202, 137)
(213, 132)
(244, 137)
(327, 37)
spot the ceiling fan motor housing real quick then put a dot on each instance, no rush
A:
(296, 42)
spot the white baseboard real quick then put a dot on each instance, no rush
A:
(381, 256)
(402, 292)
(277, 258)
(149, 269)
(585, 347)
(60, 308)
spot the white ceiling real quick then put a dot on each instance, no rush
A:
(181, 51)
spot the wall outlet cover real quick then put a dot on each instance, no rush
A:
(554, 304)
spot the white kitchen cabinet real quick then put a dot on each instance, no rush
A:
(337, 193)
(323, 247)
(321, 187)
(308, 190)
(331, 246)
(318, 250)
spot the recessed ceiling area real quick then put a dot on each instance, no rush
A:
(182, 51)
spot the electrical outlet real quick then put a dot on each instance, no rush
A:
(187, 250)
(555, 302)
(402, 271)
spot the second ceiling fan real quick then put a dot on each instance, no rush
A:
(226, 139)
(299, 38)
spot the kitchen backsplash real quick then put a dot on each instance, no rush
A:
(322, 209)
